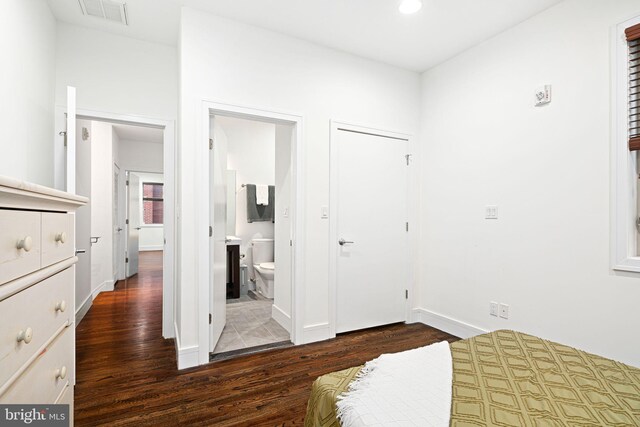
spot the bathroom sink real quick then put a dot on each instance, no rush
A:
(233, 240)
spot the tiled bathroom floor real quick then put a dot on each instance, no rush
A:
(249, 324)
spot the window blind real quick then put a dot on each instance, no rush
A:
(633, 40)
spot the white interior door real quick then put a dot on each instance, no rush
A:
(217, 242)
(117, 228)
(133, 223)
(372, 240)
(82, 176)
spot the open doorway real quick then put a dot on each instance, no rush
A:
(117, 156)
(271, 263)
(251, 174)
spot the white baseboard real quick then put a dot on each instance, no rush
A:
(151, 248)
(281, 317)
(444, 323)
(186, 357)
(84, 307)
(106, 286)
(317, 332)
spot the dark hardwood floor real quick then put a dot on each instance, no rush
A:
(126, 371)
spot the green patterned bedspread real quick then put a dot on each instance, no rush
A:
(507, 378)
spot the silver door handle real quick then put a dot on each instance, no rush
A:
(80, 251)
(119, 229)
(138, 228)
(343, 242)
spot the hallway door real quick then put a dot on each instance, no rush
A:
(134, 209)
(372, 234)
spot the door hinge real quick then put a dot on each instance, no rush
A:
(126, 221)
(408, 158)
(210, 143)
(126, 260)
(406, 294)
(291, 243)
(127, 182)
(210, 318)
(407, 226)
(63, 134)
(210, 231)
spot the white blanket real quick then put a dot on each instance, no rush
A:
(412, 388)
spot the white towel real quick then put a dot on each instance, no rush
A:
(412, 388)
(262, 194)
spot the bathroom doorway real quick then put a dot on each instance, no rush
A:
(251, 240)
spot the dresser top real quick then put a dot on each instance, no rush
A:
(17, 194)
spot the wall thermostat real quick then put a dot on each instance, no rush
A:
(543, 95)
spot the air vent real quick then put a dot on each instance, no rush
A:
(111, 10)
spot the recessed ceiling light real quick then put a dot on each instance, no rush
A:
(408, 7)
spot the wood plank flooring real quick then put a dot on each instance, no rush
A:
(126, 371)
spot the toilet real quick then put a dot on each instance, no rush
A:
(264, 266)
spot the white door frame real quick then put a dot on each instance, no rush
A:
(297, 215)
(412, 206)
(170, 172)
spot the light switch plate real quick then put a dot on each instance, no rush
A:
(504, 311)
(286, 213)
(324, 212)
(493, 308)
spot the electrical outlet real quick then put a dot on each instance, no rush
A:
(504, 311)
(491, 212)
(493, 308)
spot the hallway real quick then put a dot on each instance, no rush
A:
(126, 372)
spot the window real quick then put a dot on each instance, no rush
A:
(152, 203)
(625, 253)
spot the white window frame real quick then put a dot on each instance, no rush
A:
(624, 181)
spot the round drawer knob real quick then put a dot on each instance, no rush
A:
(25, 335)
(26, 244)
(61, 372)
(61, 237)
(61, 306)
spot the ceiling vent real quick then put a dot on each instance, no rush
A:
(111, 10)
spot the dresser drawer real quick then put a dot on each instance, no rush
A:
(19, 243)
(58, 237)
(45, 379)
(41, 310)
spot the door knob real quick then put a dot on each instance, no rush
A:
(26, 244)
(138, 228)
(119, 229)
(343, 242)
(61, 237)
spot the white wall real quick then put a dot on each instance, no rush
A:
(101, 206)
(228, 62)
(27, 83)
(251, 153)
(142, 156)
(282, 277)
(547, 169)
(113, 74)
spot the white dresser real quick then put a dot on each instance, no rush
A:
(37, 293)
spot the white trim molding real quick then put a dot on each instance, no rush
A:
(624, 169)
(317, 332)
(185, 357)
(84, 308)
(281, 317)
(106, 286)
(445, 323)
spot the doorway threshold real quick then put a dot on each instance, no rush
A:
(218, 357)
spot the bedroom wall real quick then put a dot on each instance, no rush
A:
(229, 62)
(27, 84)
(547, 169)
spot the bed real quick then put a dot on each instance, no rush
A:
(509, 378)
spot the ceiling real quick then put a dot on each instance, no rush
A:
(372, 29)
(139, 133)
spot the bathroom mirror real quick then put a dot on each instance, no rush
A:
(231, 202)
